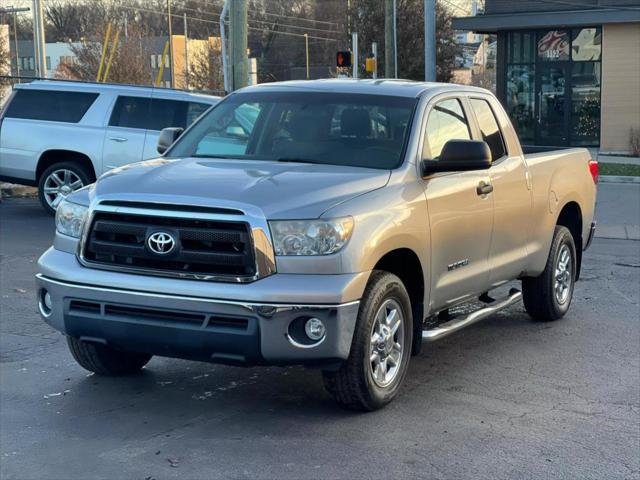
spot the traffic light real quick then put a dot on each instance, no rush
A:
(343, 59)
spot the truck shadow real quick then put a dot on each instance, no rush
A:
(175, 394)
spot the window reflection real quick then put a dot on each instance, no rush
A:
(520, 99)
(446, 122)
(585, 97)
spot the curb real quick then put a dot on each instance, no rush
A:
(618, 179)
(8, 190)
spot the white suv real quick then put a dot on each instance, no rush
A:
(60, 135)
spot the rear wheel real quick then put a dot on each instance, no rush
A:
(59, 181)
(380, 350)
(105, 360)
(548, 296)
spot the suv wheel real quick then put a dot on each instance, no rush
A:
(548, 296)
(58, 181)
(104, 360)
(380, 350)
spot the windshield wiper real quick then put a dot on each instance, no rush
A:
(295, 160)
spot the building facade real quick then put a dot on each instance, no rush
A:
(568, 73)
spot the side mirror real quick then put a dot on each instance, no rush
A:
(167, 137)
(459, 156)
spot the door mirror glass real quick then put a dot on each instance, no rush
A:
(459, 156)
(167, 137)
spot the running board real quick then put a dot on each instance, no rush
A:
(459, 323)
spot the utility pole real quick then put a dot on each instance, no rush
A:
(374, 52)
(40, 53)
(224, 49)
(389, 47)
(354, 55)
(15, 41)
(306, 47)
(239, 60)
(186, 54)
(395, 39)
(429, 40)
(171, 57)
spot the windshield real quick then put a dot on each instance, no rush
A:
(312, 127)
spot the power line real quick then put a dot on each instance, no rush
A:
(304, 28)
(591, 7)
(157, 12)
(204, 2)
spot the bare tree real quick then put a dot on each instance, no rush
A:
(205, 68)
(5, 64)
(130, 64)
(368, 19)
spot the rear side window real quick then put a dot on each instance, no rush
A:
(130, 112)
(491, 133)
(154, 114)
(50, 105)
(446, 121)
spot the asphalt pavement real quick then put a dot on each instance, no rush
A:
(506, 398)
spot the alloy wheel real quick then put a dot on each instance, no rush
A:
(60, 184)
(387, 343)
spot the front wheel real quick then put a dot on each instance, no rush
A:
(548, 296)
(59, 181)
(380, 350)
(104, 360)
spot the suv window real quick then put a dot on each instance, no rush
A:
(446, 121)
(154, 114)
(491, 133)
(50, 105)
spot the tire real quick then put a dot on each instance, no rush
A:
(353, 385)
(66, 183)
(103, 360)
(543, 299)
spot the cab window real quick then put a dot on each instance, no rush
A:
(491, 133)
(446, 121)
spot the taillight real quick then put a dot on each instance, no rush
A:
(593, 169)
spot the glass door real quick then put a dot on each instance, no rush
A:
(552, 104)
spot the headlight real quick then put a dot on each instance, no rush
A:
(310, 237)
(70, 218)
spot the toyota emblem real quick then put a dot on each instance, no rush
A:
(161, 243)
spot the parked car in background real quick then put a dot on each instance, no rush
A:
(61, 136)
(339, 229)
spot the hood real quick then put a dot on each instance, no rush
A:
(280, 190)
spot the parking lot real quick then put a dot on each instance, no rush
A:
(507, 398)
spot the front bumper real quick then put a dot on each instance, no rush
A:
(157, 316)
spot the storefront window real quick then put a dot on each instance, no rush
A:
(585, 100)
(520, 99)
(552, 85)
(553, 45)
(586, 45)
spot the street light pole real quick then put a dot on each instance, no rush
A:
(429, 40)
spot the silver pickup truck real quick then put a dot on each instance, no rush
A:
(337, 224)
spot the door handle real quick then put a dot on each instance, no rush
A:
(118, 139)
(484, 188)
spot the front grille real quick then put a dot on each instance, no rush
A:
(203, 247)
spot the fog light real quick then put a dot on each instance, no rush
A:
(315, 329)
(45, 303)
